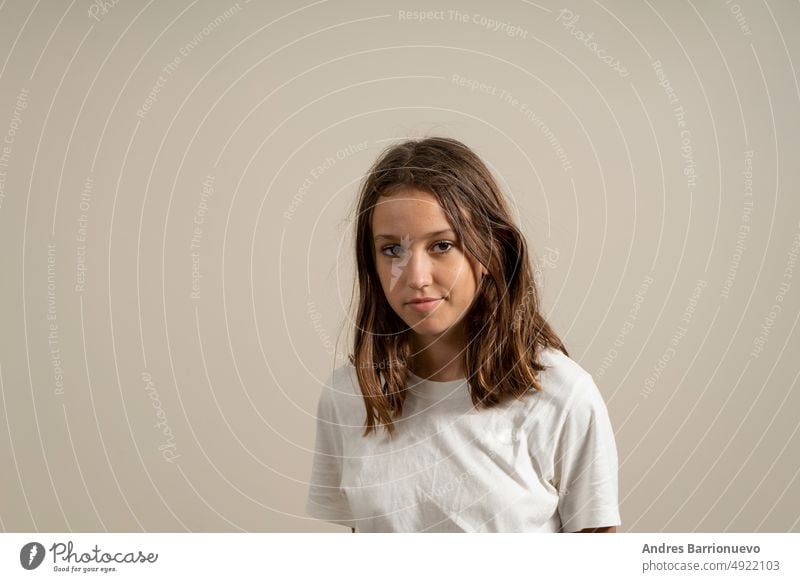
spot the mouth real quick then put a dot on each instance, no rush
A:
(425, 304)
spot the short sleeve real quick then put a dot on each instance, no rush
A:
(586, 463)
(326, 499)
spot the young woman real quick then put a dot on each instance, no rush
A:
(460, 409)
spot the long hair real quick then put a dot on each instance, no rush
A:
(505, 329)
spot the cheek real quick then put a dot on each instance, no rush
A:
(461, 280)
(466, 290)
(384, 272)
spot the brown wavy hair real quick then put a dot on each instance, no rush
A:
(505, 328)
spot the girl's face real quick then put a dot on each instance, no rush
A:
(427, 278)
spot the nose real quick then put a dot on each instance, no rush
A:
(419, 270)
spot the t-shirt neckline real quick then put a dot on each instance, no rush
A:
(433, 390)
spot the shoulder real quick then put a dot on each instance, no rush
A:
(341, 393)
(563, 379)
(565, 386)
(561, 369)
(342, 380)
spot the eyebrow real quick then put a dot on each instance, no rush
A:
(429, 235)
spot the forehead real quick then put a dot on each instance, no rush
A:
(409, 212)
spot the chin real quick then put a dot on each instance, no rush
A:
(428, 328)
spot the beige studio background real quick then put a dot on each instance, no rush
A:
(175, 186)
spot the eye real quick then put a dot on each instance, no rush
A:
(443, 246)
(394, 251)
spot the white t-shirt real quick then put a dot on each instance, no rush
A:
(543, 463)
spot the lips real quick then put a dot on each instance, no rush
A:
(424, 299)
(424, 304)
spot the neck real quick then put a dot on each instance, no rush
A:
(439, 358)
